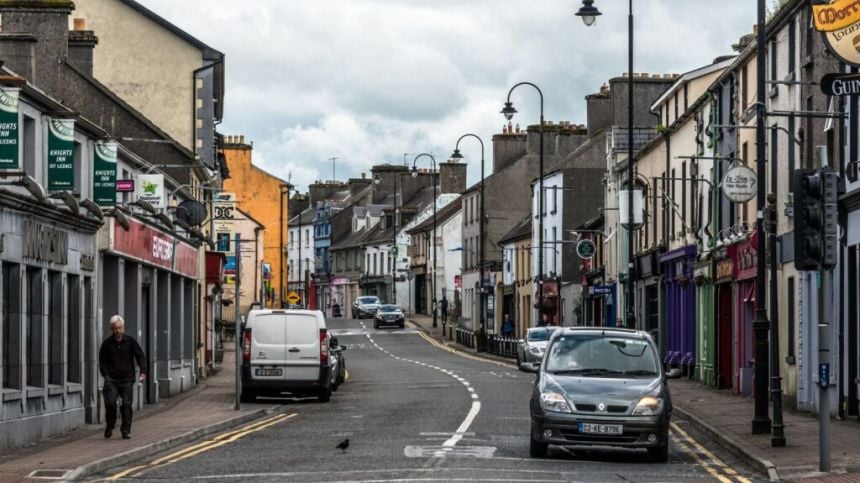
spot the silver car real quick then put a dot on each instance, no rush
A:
(532, 348)
(365, 307)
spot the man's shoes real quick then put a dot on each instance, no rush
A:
(126, 435)
(108, 432)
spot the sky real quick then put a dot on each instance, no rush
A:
(368, 81)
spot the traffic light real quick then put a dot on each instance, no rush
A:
(830, 222)
(807, 219)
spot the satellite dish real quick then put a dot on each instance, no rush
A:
(191, 212)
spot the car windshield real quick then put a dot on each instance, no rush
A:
(368, 300)
(389, 308)
(601, 356)
(541, 334)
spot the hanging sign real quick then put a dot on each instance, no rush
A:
(586, 249)
(739, 184)
(840, 84)
(836, 15)
(150, 188)
(9, 128)
(61, 154)
(104, 173)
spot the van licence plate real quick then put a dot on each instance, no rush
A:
(601, 428)
(269, 372)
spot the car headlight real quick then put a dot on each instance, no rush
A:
(553, 401)
(649, 406)
(535, 350)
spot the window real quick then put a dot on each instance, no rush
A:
(683, 196)
(673, 203)
(554, 251)
(792, 48)
(28, 148)
(307, 237)
(744, 88)
(773, 61)
(11, 294)
(33, 335)
(686, 97)
(55, 328)
(554, 199)
(676, 106)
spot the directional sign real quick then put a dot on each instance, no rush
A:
(586, 249)
(739, 184)
(293, 298)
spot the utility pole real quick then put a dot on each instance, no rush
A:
(332, 167)
(239, 337)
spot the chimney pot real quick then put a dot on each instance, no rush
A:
(242, 139)
(80, 24)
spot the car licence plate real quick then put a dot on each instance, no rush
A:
(269, 372)
(601, 428)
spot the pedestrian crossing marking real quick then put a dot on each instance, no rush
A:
(449, 451)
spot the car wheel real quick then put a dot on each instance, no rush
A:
(247, 397)
(402, 326)
(518, 358)
(325, 395)
(660, 454)
(375, 325)
(537, 449)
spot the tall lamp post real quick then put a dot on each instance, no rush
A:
(509, 112)
(285, 190)
(589, 14)
(435, 195)
(377, 180)
(457, 155)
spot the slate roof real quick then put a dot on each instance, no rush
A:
(522, 229)
(442, 215)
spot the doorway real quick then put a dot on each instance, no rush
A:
(149, 349)
(724, 336)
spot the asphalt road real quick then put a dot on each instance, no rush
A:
(414, 411)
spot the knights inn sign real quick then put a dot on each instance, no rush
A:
(45, 243)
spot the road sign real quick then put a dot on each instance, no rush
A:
(293, 298)
(586, 249)
(739, 184)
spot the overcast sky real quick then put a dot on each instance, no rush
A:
(369, 80)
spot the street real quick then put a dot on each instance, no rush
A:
(415, 411)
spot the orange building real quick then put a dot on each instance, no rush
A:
(264, 197)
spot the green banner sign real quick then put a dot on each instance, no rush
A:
(9, 128)
(61, 154)
(104, 173)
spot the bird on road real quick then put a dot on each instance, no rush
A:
(343, 445)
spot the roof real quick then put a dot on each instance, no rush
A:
(355, 239)
(306, 217)
(208, 52)
(442, 215)
(689, 76)
(522, 229)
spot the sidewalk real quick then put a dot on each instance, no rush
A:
(196, 413)
(726, 418)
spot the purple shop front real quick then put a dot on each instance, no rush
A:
(680, 297)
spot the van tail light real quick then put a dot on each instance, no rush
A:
(246, 347)
(323, 346)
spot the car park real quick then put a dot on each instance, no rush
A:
(600, 387)
(389, 315)
(365, 306)
(532, 346)
(285, 351)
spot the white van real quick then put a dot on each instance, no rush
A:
(285, 351)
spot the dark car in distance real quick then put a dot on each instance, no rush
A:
(389, 315)
(600, 387)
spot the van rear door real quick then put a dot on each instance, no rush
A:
(268, 354)
(302, 347)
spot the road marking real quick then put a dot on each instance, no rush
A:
(446, 451)
(455, 351)
(709, 457)
(218, 441)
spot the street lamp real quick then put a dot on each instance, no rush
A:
(457, 155)
(509, 112)
(415, 175)
(589, 13)
(377, 180)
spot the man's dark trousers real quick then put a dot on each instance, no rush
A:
(112, 391)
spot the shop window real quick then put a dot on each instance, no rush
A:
(11, 285)
(55, 328)
(33, 335)
(73, 329)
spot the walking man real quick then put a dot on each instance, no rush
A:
(444, 305)
(117, 357)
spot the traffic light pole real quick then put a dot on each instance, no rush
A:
(824, 373)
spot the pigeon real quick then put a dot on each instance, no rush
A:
(343, 445)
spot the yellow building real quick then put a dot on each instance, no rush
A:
(265, 198)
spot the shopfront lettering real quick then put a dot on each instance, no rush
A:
(45, 243)
(162, 249)
(724, 269)
(746, 259)
(836, 15)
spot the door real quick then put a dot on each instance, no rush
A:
(149, 346)
(724, 336)
(302, 341)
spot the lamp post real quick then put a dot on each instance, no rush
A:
(509, 112)
(589, 14)
(377, 180)
(457, 155)
(285, 189)
(435, 183)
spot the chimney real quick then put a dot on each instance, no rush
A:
(321, 190)
(598, 111)
(387, 173)
(358, 184)
(298, 203)
(452, 177)
(35, 39)
(82, 42)
(507, 148)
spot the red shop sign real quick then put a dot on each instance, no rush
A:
(745, 259)
(152, 246)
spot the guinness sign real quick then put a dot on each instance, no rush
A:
(45, 243)
(840, 84)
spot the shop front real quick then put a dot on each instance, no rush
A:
(705, 315)
(680, 302)
(744, 258)
(723, 318)
(648, 293)
(550, 308)
(212, 315)
(150, 277)
(47, 283)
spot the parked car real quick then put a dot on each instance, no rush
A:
(389, 315)
(285, 351)
(532, 347)
(365, 307)
(600, 386)
(338, 371)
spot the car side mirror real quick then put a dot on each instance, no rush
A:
(529, 367)
(674, 373)
(343, 347)
(333, 342)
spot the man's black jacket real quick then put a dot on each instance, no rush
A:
(117, 358)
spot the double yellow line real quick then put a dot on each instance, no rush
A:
(706, 459)
(455, 351)
(216, 442)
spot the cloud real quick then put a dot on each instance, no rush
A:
(369, 80)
